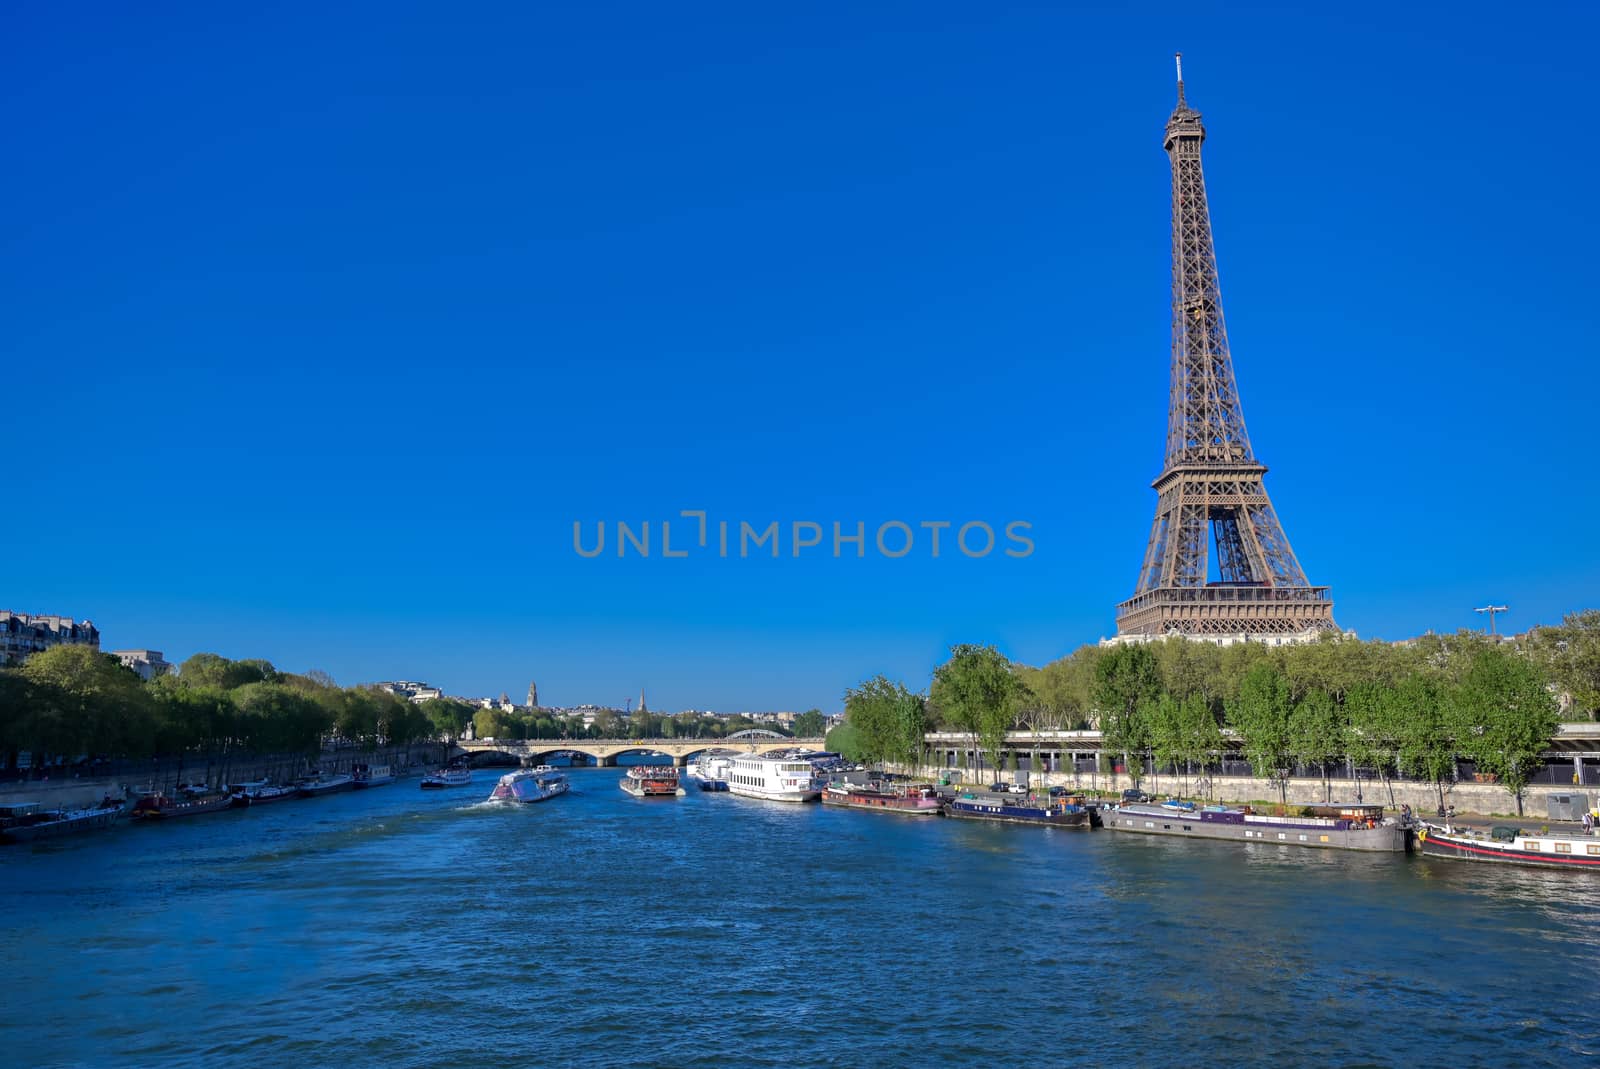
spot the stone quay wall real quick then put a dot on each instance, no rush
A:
(167, 774)
(1423, 798)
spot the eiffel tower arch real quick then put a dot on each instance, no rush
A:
(1211, 497)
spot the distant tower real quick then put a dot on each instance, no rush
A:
(1210, 490)
(643, 708)
(533, 695)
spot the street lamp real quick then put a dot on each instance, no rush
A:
(1492, 610)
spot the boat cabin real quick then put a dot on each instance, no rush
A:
(1353, 811)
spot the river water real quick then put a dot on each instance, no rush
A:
(398, 927)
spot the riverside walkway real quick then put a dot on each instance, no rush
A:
(605, 752)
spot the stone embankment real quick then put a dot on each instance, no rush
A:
(166, 775)
(1422, 797)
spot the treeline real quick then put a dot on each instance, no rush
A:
(1390, 710)
(72, 700)
(609, 724)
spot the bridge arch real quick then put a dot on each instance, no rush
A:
(757, 733)
(604, 752)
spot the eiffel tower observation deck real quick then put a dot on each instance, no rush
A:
(1211, 498)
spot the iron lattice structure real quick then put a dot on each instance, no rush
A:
(1210, 491)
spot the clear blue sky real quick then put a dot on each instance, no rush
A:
(323, 323)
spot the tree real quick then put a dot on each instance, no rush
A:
(1570, 655)
(845, 740)
(979, 693)
(1374, 731)
(449, 717)
(1127, 679)
(1183, 733)
(809, 724)
(1426, 746)
(85, 701)
(1317, 734)
(888, 720)
(1504, 717)
(1260, 717)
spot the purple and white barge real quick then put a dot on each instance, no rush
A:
(1337, 827)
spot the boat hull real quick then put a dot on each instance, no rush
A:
(439, 781)
(881, 802)
(1005, 813)
(1278, 831)
(70, 824)
(1432, 843)
(166, 809)
(528, 789)
(333, 786)
(642, 790)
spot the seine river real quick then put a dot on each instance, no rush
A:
(397, 927)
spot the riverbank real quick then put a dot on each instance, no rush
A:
(167, 775)
(1423, 798)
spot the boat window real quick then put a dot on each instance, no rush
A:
(1530, 845)
(1563, 848)
(1593, 849)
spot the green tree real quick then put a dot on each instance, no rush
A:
(1259, 715)
(85, 702)
(809, 724)
(449, 717)
(1127, 680)
(1570, 655)
(845, 740)
(978, 692)
(888, 720)
(1504, 717)
(1317, 734)
(1375, 731)
(1421, 723)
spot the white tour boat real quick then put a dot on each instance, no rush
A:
(777, 779)
(530, 785)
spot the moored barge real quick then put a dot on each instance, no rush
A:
(158, 805)
(325, 783)
(1510, 846)
(1060, 811)
(917, 800)
(1342, 827)
(651, 781)
(23, 822)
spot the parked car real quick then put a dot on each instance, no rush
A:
(1133, 794)
(1016, 788)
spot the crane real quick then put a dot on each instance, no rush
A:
(1492, 610)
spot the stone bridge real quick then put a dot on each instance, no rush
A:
(604, 752)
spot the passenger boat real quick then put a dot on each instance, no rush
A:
(1045, 810)
(325, 783)
(447, 777)
(189, 802)
(651, 781)
(1337, 827)
(262, 793)
(1511, 846)
(371, 775)
(710, 771)
(776, 779)
(23, 822)
(530, 785)
(917, 800)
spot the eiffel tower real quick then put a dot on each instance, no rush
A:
(1210, 492)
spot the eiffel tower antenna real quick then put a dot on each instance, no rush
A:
(1210, 492)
